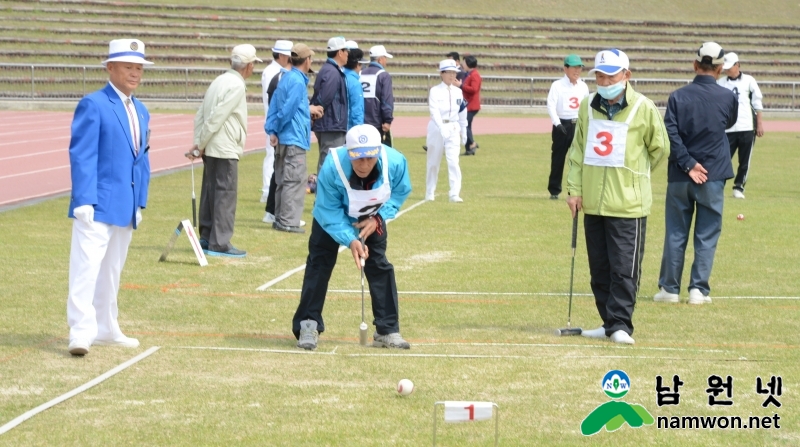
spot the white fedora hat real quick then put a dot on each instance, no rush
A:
(126, 50)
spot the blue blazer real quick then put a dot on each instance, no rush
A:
(106, 172)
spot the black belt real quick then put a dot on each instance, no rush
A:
(568, 120)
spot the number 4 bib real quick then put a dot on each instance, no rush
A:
(606, 140)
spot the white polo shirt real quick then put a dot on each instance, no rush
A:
(565, 98)
(746, 90)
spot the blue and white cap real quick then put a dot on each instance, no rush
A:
(363, 141)
(448, 65)
(126, 50)
(610, 62)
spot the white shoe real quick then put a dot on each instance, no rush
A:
(456, 199)
(595, 333)
(78, 347)
(122, 341)
(429, 198)
(622, 337)
(665, 297)
(268, 218)
(738, 194)
(697, 297)
(302, 223)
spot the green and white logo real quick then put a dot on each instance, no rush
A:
(614, 414)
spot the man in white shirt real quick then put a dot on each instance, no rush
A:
(742, 135)
(280, 55)
(563, 101)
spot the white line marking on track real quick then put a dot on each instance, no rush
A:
(342, 248)
(29, 414)
(560, 345)
(452, 293)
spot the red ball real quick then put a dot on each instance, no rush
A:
(740, 217)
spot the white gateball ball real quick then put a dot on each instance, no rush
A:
(405, 387)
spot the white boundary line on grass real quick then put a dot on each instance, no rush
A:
(451, 293)
(536, 345)
(29, 414)
(342, 248)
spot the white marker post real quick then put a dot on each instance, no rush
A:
(198, 251)
(466, 411)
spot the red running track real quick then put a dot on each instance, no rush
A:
(34, 157)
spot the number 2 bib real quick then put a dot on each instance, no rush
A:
(369, 82)
(367, 202)
(606, 140)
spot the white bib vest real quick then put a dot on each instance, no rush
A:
(369, 83)
(368, 202)
(606, 139)
(568, 104)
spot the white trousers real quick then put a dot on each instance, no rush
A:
(451, 147)
(268, 168)
(96, 259)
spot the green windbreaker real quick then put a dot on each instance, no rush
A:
(619, 192)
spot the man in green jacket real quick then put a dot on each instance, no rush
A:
(619, 138)
(220, 132)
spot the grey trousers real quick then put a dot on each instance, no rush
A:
(290, 180)
(218, 195)
(328, 140)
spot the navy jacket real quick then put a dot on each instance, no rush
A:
(380, 109)
(330, 92)
(696, 119)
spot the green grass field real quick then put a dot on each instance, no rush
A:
(503, 256)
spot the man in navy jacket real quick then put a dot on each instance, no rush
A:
(330, 92)
(699, 164)
(110, 171)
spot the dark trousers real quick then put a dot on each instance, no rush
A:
(322, 252)
(470, 140)
(218, 195)
(271, 195)
(386, 137)
(615, 247)
(744, 141)
(558, 155)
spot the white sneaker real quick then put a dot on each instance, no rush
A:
(302, 223)
(697, 297)
(738, 194)
(268, 218)
(78, 347)
(429, 198)
(665, 297)
(622, 337)
(595, 333)
(122, 341)
(456, 199)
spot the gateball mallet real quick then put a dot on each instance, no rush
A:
(194, 153)
(362, 336)
(569, 330)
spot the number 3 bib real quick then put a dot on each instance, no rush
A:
(606, 140)
(368, 202)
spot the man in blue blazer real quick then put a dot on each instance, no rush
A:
(110, 170)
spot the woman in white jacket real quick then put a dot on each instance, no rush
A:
(447, 131)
